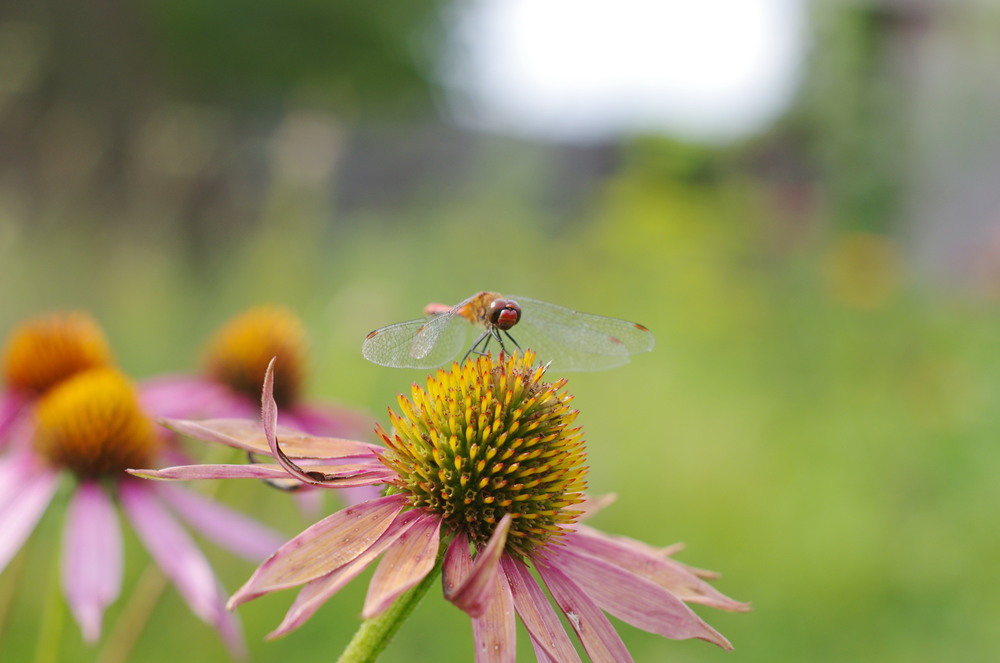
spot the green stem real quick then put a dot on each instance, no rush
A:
(137, 612)
(52, 623)
(374, 634)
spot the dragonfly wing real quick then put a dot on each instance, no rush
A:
(575, 341)
(440, 340)
(421, 343)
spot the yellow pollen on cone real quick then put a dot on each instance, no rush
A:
(238, 354)
(92, 425)
(44, 351)
(507, 454)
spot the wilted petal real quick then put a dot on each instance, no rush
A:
(248, 435)
(316, 592)
(599, 637)
(495, 632)
(633, 599)
(354, 475)
(469, 585)
(91, 557)
(322, 548)
(546, 631)
(30, 492)
(178, 556)
(231, 529)
(635, 557)
(404, 565)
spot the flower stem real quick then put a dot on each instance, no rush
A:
(137, 612)
(53, 619)
(374, 634)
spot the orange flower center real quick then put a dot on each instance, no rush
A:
(92, 425)
(239, 352)
(45, 351)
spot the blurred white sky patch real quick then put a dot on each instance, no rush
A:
(584, 70)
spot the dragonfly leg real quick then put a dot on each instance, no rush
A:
(512, 340)
(485, 336)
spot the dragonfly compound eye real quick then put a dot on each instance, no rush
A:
(504, 313)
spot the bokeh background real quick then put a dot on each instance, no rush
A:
(799, 198)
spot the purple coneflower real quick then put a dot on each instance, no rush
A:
(88, 427)
(40, 353)
(234, 361)
(485, 480)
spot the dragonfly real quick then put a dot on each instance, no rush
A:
(569, 340)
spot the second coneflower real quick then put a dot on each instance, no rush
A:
(42, 352)
(87, 429)
(234, 360)
(484, 477)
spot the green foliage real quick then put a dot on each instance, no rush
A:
(344, 55)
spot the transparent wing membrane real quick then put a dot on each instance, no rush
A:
(570, 340)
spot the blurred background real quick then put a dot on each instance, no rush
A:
(799, 198)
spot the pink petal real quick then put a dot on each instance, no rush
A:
(329, 420)
(316, 592)
(179, 558)
(16, 471)
(10, 407)
(404, 565)
(495, 632)
(91, 557)
(641, 560)
(30, 494)
(469, 585)
(230, 529)
(269, 417)
(631, 598)
(598, 636)
(354, 475)
(591, 505)
(181, 396)
(248, 435)
(322, 548)
(533, 607)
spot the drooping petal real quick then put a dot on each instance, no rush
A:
(230, 529)
(536, 613)
(179, 558)
(322, 548)
(404, 565)
(248, 435)
(495, 632)
(269, 417)
(639, 559)
(316, 592)
(91, 557)
(469, 585)
(21, 510)
(631, 598)
(352, 475)
(598, 635)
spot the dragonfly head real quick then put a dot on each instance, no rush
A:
(504, 313)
